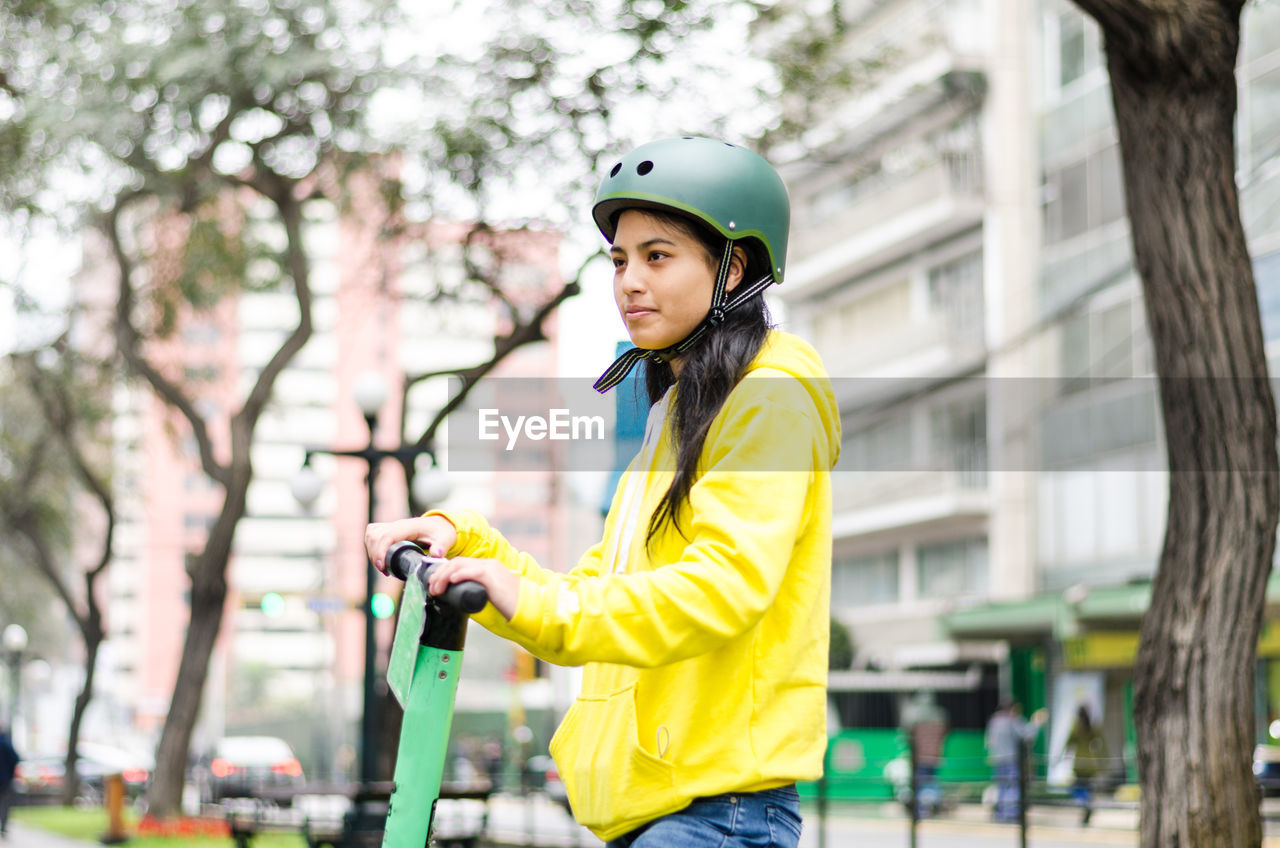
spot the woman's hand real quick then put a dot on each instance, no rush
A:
(434, 533)
(502, 584)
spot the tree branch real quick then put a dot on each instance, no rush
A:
(56, 406)
(130, 343)
(520, 335)
(299, 270)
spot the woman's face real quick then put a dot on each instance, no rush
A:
(663, 278)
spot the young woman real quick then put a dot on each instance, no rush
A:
(702, 615)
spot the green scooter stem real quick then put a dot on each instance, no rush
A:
(426, 658)
(421, 757)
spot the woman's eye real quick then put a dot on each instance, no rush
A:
(618, 262)
(656, 255)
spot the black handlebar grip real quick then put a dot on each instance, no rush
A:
(405, 558)
(468, 596)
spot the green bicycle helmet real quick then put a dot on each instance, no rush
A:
(727, 187)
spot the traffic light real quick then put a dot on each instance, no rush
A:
(382, 605)
(272, 605)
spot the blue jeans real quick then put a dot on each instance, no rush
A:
(767, 819)
(930, 792)
(1007, 801)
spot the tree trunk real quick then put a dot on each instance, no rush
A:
(1172, 69)
(71, 784)
(208, 599)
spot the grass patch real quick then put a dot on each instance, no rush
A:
(91, 824)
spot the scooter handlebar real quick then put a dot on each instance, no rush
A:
(406, 558)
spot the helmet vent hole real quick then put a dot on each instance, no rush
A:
(615, 170)
(644, 167)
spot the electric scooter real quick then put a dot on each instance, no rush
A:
(426, 658)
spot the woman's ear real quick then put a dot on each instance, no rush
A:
(737, 269)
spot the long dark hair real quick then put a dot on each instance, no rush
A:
(711, 368)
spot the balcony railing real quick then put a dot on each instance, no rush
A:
(882, 197)
(962, 471)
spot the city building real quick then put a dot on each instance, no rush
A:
(961, 258)
(290, 657)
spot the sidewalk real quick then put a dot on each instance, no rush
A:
(25, 836)
(1058, 827)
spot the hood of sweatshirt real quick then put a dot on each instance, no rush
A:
(785, 354)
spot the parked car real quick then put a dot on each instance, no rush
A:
(1266, 769)
(42, 778)
(39, 778)
(250, 767)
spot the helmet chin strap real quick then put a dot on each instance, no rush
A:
(721, 304)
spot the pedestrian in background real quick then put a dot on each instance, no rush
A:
(1007, 732)
(1089, 750)
(925, 725)
(9, 760)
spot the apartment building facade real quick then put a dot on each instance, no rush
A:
(962, 261)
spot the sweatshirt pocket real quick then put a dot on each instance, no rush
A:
(610, 778)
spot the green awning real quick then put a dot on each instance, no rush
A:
(1035, 616)
(1053, 614)
(1125, 603)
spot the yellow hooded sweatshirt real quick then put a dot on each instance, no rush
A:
(705, 653)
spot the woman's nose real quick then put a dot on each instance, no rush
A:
(630, 280)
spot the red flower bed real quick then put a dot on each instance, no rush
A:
(183, 826)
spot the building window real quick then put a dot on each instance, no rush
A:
(958, 435)
(1263, 104)
(885, 445)
(1072, 62)
(952, 569)
(955, 291)
(201, 334)
(1075, 47)
(1099, 345)
(865, 580)
(1266, 273)
(1083, 195)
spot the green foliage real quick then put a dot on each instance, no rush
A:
(179, 102)
(840, 656)
(37, 483)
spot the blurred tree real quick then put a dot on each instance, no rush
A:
(1172, 70)
(191, 134)
(840, 657)
(52, 450)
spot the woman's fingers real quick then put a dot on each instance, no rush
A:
(502, 585)
(452, 571)
(434, 534)
(376, 543)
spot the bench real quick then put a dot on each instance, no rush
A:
(349, 816)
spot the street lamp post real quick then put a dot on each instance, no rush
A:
(15, 644)
(370, 395)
